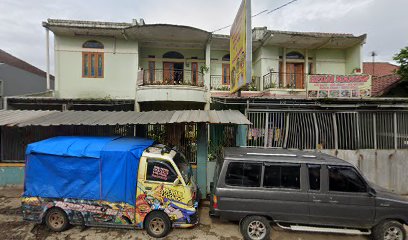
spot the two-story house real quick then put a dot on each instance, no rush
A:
(168, 67)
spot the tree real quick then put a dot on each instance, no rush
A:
(402, 59)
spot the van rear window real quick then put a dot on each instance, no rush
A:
(243, 174)
(282, 176)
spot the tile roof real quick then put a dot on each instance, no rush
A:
(379, 69)
(18, 63)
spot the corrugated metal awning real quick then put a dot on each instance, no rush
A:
(92, 118)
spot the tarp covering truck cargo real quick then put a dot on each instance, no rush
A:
(108, 181)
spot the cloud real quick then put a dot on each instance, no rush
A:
(384, 21)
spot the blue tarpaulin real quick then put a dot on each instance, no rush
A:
(91, 168)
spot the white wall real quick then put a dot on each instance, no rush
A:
(120, 69)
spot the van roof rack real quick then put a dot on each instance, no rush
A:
(281, 155)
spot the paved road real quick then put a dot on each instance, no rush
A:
(12, 227)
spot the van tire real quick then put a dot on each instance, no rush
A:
(255, 227)
(56, 220)
(388, 227)
(157, 224)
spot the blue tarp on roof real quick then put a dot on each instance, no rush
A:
(92, 168)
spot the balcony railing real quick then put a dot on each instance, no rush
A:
(217, 83)
(277, 80)
(171, 77)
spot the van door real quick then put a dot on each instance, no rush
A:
(345, 200)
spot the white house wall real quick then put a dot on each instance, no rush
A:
(120, 69)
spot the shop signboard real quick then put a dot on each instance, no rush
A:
(241, 48)
(339, 86)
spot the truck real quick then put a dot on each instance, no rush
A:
(123, 182)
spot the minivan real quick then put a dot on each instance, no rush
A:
(302, 191)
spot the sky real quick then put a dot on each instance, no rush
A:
(384, 21)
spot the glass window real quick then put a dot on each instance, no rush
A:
(92, 44)
(314, 177)
(345, 179)
(183, 166)
(152, 66)
(282, 176)
(244, 174)
(92, 64)
(85, 64)
(160, 171)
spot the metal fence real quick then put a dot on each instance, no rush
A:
(328, 130)
(184, 136)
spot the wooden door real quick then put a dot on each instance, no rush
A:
(225, 74)
(168, 73)
(295, 75)
(299, 75)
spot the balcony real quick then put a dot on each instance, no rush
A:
(164, 85)
(171, 77)
(217, 83)
(276, 80)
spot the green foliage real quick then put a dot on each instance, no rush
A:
(402, 59)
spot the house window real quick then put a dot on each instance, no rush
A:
(92, 62)
(194, 73)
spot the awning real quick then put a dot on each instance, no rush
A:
(22, 118)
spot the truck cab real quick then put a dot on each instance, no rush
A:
(123, 182)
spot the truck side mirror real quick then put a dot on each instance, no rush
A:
(176, 182)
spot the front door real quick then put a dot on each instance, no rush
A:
(343, 201)
(295, 75)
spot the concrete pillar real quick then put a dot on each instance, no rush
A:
(47, 57)
(241, 135)
(284, 68)
(202, 158)
(207, 75)
(306, 61)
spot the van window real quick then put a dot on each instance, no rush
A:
(314, 176)
(160, 171)
(345, 179)
(244, 174)
(282, 176)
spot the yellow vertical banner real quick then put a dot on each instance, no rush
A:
(241, 48)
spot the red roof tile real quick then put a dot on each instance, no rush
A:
(379, 69)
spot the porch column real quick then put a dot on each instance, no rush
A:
(207, 78)
(241, 135)
(202, 158)
(47, 57)
(306, 69)
(284, 67)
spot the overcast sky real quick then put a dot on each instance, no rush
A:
(385, 21)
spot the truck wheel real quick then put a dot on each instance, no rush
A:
(157, 224)
(255, 228)
(389, 230)
(56, 220)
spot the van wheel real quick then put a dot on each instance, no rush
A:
(56, 220)
(389, 230)
(157, 224)
(255, 228)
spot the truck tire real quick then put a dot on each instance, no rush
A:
(255, 228)
(157, 224)
(389, 230)
(56, 220)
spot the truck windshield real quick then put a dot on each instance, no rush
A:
(183, 166)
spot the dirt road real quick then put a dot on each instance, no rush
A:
(12, 227)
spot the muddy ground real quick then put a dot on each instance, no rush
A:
(12, 227)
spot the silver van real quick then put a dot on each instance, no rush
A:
(302, 191)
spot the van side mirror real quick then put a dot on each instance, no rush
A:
(371, 192)
(176, 182)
